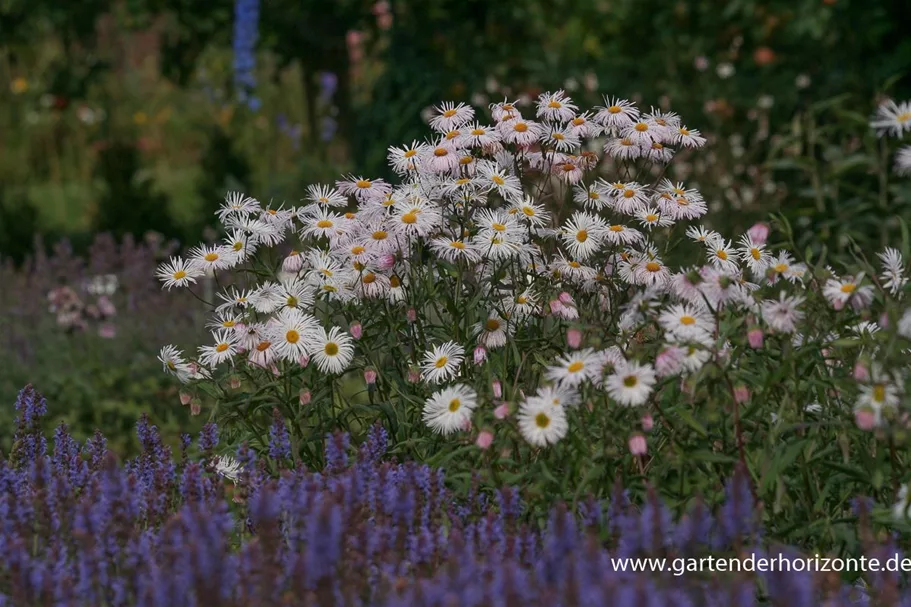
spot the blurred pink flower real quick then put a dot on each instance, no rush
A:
(485, 439)
(497, 388)
(356, 330)
(574, 338)
(637, 445)
(502, 411)
(647, 422)
(759, 233)
(756, 338)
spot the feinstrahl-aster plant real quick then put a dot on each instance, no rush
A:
(78, 529)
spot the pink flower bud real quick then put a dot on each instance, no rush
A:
(107, 331)
(195, 406)
(293, 263)
(861, 372)
(759, 233)
(356, 330)
(304, 397)
(741, 394)
(185, 398)
(884, 320)
(756, 338)
(480, 355)
(412, 315)
(497, 389)
(303, 361)
(865, 419)
(574, 338)
(385, 262)
(647, 422)
(485, 439)
(275, 371)
(234, 382)
(838, 304)
(566, 298)
(370, 376)
(414, 375)
(555, 306)
(466, 425)
(502, 411)
(637, 445)
(669, 361)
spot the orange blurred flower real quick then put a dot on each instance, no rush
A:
(19, 86)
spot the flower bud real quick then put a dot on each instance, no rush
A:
(370, 376)
(756, 338)
(861, 372)
(185, 398)
(303, 361)
(741, 394)
(480, 355)
(497, 389)
(637, 445)
(356, 330)
(414, 375)
(759, 233)
(304, 397)
(647, 422)
(566, 298)
(195, 406)
(865, 419)
(502, 411)
(293, 263)
(574, 338)
(412, 315)
(484, 440)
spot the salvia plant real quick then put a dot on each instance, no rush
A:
(539, 301)
(208, 529)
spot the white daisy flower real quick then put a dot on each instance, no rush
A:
(686, 321)
(493, 332)
(453, 249)
(557, 396)
(722, 255)
(900, 510)
(407, 158)
(261, 354)
(755, 255)
(651, 217)
(442, 362)
(224, 348)
(450, 409)
(573, 368)
(560, 138)
(893, 272)
(842, 291)
(364, 190)
(505, 110)
(491, 177)
(903, 160)
(618, 234)
(542, 424)
(892, 118)
(688, 138)
(448, 116)
(442, 158)
(241, 244)
(616, 114)
(631, 198)
(595, 196)
(528, 212)
(177, 273)
(583, 127)
(784, 314)
(583, 235)
(333, 351)
(631, 383)
(480, 136)
(556, 107)
(292, 333)
(703, 235)
(783, 265)
(325, 223)
(519, 131)
(622, 148)
(228, 467)
(237, 203)
(417, 218)
(173, 362)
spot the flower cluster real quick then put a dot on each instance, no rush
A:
(160, 530)
(502, 235)
(75, 315)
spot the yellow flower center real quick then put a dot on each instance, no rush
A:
(653, 266)
(454, 405)
(350, 215)
(441, 362)
(449, 113)
(330, 289)
(324, 223)
(616, 228)
(263, 346)
(687, 320)
(452, 135)
(492, 324)
(292, 336)
(521, 300)
(781, 267)
(179, 274)
(581, 235)
(221, 347)
(520, 127)
(879, 393)
(630, 381)
(568, 167)
(237, 246)
(499, 227)
(291, 302)
(558, 136)
(394, 282)
(755, 254)
(411, 153)
(210, 257)
(641, 127)
(629, 193)
(722, 254)
(331, 348)
(457, 244)
(651, 217)
(369, 278)
(466, 160)
(477, 132)
(576, 366)
(848, 287)
(555, 104)
(380, 235)
(363, 183)
(903, 117)
(615, 109)
(578, 121)
(529, 211)
(411, 217)
(357, 249)
(594, 195)
(440, 152)
(542, 420)
(684, 132)
(228, 324)
(498, 180)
